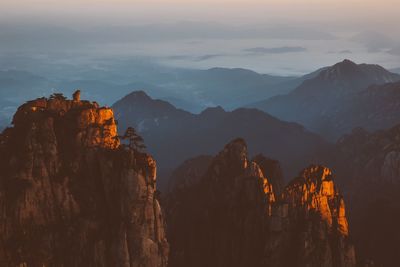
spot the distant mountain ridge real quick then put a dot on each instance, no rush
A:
(189, 89)
(167, 129)
(322, 103)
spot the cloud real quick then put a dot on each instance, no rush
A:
(206, 57)
(343, 52)
(375, 42)
(195, 58)
(275, 50)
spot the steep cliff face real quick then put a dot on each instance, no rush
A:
(370, 162)
(221, 220)
(233, 217)
(271, 169)
(316, 227)
(71, 195)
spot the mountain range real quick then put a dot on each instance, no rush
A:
(189, 89)
(63, 159)
(166, 128)
(338, 99)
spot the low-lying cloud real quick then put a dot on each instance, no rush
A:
(276, 50)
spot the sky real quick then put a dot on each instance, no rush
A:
(274, 36)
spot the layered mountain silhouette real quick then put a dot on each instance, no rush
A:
(169, 130)
(339, 99)
(190, 89)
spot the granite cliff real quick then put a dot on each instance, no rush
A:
(72, 195)
(232, 216)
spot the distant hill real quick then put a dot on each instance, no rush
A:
(189, 89)
(174, 135)
(334, 102)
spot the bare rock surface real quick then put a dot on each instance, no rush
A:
(233, 216)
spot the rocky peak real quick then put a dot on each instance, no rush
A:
(314, 191)
(233, 216)
(85, 122)
(70, 195)
(224, 214)
(348, 71)
(233, 157)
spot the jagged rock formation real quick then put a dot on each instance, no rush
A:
(316, 227)
(221, 220)
(272, 169)
(71, 195)
(233, 217)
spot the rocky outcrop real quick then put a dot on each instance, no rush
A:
(234, 217)
(271, 169)
(71, 195)
(316, 225)
(222, 220)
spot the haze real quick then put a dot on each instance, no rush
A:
(277, 37)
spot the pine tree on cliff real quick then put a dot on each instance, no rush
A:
(134, 139)
(58, 96)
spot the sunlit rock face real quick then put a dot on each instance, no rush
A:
(316, 227)
(271, 169)
(70, 195)
(233, 217)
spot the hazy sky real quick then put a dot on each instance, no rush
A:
(276, 36)
(242, 11)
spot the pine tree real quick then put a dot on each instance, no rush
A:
(136, 142)
(58, 96)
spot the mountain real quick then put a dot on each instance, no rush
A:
(72, 195)
(232, 88)
(376, 107)
(189, 89)
(231, 216)
(369, 166)
(321, 104)
(18, 86)
(167, 129)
